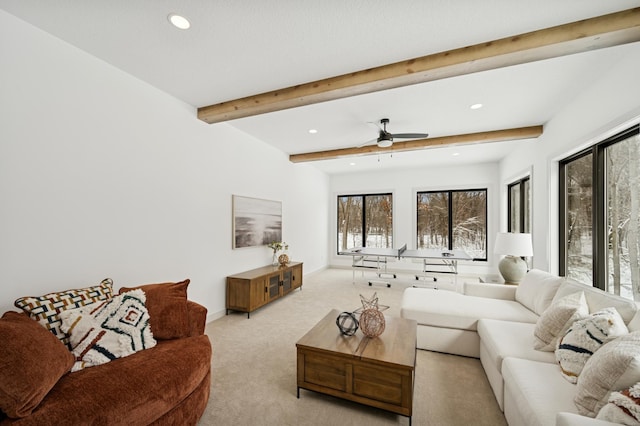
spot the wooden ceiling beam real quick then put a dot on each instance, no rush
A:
(576, 37)
(414, 145)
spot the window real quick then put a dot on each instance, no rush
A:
(519, 206)
(365, 221)
(578, 220)
(600, 215)
(453, 220)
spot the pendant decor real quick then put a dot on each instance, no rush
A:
(347, 323)
(372, 320)
(283, 259)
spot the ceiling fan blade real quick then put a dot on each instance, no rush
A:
(376, 124)
(410, 135)
(369, 142)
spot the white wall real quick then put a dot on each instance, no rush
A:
(102, 175)
(404, 185)
(610, 105)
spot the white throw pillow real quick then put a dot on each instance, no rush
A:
(598, 299)
(104, 331)
(623, 407)
(537, 289)
(614, 367)
(584, 338)
(556, 320)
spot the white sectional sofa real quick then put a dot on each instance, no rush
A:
(496, 323)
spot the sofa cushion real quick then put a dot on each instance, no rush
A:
(108, 330)
(634, 324)
(614, 367)
(167, 305)
(504, 339)
(586, 336)
(556, 320)
(537, 289)
(454, 310)
(32, 360)
(490, 290)
(535, 391)
(138, 389)
(46, 309)
(598, 299)
(623, 407)
(574, 419)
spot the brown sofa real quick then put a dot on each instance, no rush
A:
(167, 384)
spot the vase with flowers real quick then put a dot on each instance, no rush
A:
(277, 246)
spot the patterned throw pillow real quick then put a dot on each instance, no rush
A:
(46, 309)
(585, 337)
(556, 320)
(623, 407)
(614, 367)
(108, 330)
(167, 305)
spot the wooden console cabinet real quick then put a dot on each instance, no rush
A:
(250, 290)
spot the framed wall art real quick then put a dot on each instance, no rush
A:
(256, 222)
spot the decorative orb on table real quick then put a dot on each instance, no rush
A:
(372, 322)
(347, 323)
(283, 259)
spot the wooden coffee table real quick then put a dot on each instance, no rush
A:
(378, 372)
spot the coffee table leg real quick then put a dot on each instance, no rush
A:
(299, 394)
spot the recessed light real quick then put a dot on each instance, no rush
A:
(476, 106)
(179, 21)
(352, 164)
(455, 154)
(313, 131)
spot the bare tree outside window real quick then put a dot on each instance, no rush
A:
(579, 229)
(519, 206)
(470, 222)
(601, 215)
(349, 222)
(433, 220)
(365, 221)
(515, 209)
(379, 221)
(453, 220)
(623, 212)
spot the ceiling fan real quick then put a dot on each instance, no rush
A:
(385, 138)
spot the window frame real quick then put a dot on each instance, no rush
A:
(364, 215)
(450, 193)
(599, 204)
(521, 200)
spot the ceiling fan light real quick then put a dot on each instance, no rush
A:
(385, 143)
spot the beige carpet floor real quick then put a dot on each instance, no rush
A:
(254, 366)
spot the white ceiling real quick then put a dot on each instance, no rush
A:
(241, 48)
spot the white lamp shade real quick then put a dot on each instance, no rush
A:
(512, 244)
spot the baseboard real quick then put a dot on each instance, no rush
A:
(212, 316)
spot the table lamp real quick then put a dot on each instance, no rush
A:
(512, 267)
